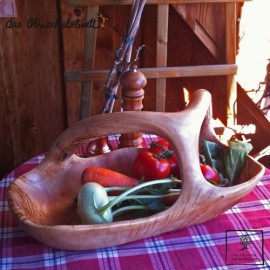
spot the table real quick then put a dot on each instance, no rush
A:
(215, 244)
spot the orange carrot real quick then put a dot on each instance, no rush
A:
(107, 178)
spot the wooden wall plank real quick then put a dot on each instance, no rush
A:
(31, 85)
(88, 63)
(200, 18)
(188, 50)
(161, 54)
(230, 54)
(72, 47)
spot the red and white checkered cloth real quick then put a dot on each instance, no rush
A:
(215, 244)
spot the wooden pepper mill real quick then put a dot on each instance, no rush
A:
(132, 82)
(98, 147)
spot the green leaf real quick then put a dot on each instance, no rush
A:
(228, 161)
(214, 156)
(235, 158)
(159, 189)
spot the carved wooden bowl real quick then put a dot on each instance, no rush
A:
(42, 200)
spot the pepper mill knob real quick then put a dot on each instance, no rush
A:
(132, 82)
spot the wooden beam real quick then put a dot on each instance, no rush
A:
(161, 54)
(230, 56)
(88, 63)
(154, 73)
(208, 42)
(128, 2)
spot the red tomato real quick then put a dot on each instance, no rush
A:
(159, 146)
(148, 166)
(210, 174)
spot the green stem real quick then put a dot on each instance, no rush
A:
(119, 211)
(165, 154)
(108, 189)
(174, 190)
(133, 197)
(119, 198)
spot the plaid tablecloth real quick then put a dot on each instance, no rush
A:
(237, 239)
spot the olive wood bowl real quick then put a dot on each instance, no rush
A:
(43, 200)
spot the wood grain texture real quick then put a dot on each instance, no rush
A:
(88, 63)
(161, 54)
(31, 88)
(230, 52)
(161, 72)
(53, 185)
(200, 18)
(73, 47)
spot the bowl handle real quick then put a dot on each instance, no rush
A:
(182, 128)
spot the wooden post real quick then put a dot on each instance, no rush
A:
(88, 63)
(230, 59)
(132, 82)
(161, 54)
